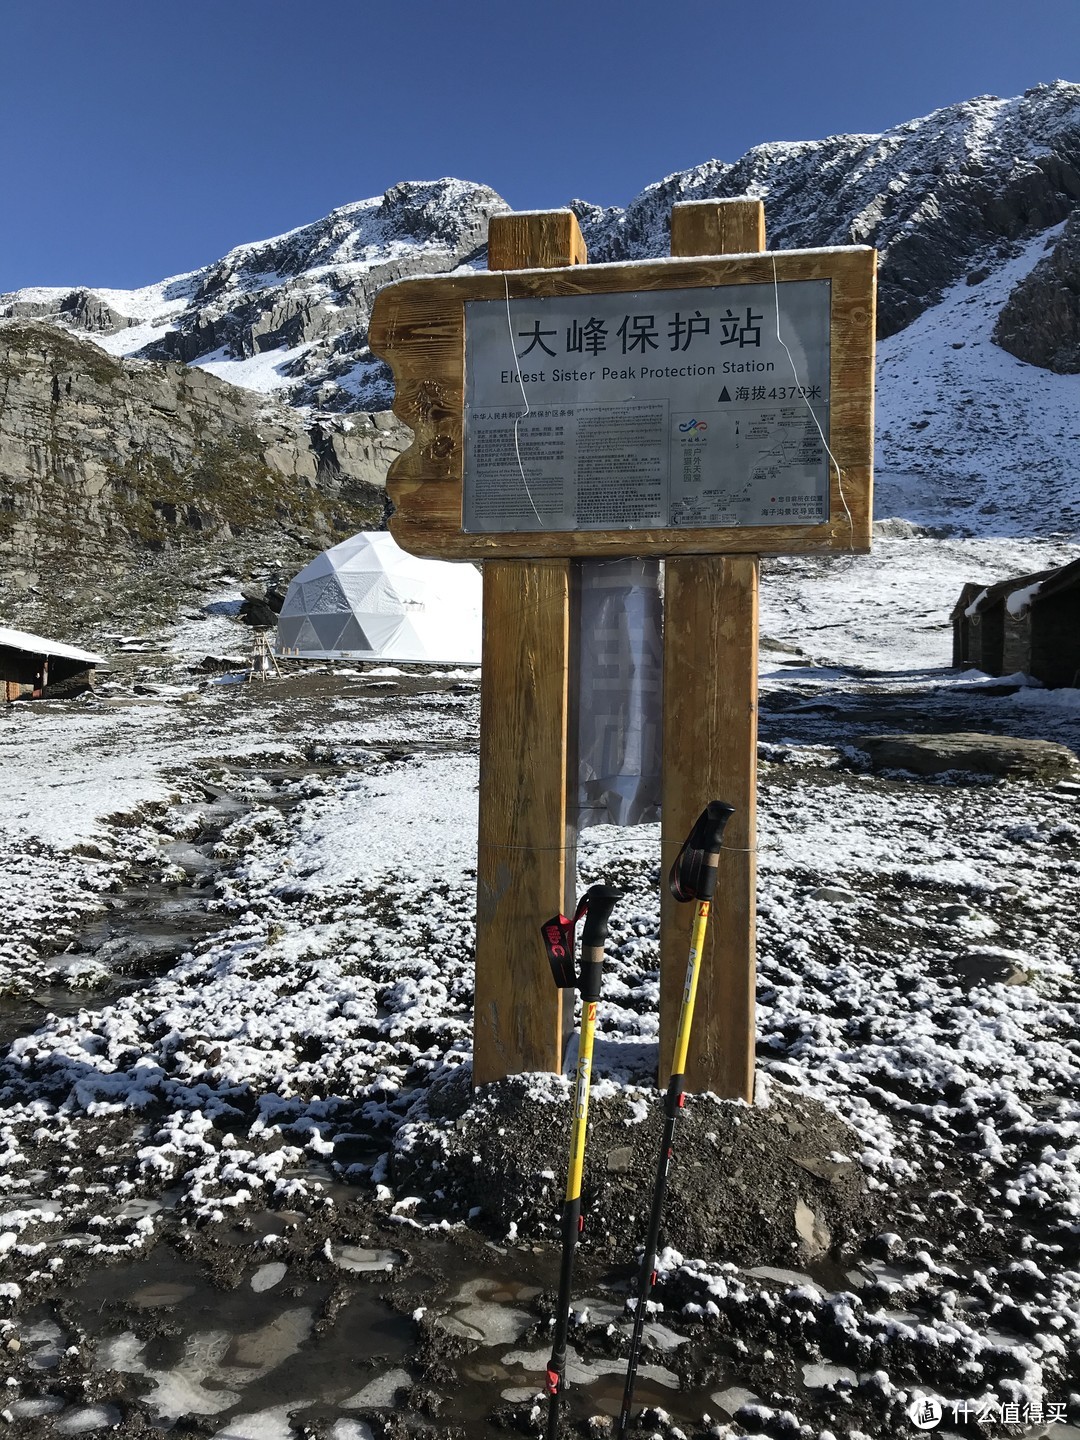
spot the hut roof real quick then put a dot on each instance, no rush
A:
(39, 645)
(1065, 577)
(996, 594)
(1053, 582)
(967, 595)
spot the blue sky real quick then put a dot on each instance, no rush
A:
(142, 138)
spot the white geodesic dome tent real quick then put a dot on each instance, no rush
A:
(367, 599)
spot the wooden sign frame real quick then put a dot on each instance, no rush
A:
(418, 327)
(526, 863)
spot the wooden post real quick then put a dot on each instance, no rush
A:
(718, 227)
(710, 749)
(525, 862)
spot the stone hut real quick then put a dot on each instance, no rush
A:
(986, 634)
(30, 664)
(1028, 624)
(1049, 612)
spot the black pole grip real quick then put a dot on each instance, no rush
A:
(693, 875)
(715, 817)
(601, 901)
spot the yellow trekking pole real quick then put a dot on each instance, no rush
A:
(693, 877)
(596, 906)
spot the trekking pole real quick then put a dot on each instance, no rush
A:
(693, 877)
(596, 906)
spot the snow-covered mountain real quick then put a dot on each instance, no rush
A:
(944, 197)
(288, 314)
(974, 210)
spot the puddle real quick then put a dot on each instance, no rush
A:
(604, 1378)
(160, 1296)
(267, 1276)
(35, 1409)
(790, 1279)
(898, 1317)
(365, 1262)
(189, 1349)
(823, 1376)
(590, 1311)
(279, 1354)
(482, 1313)
(22, 1207)
(87, 1419)
(139, 1209)
(45, 1344)
(380, 1393)
(268, 1357)
(266, 1425)
(142, 935)
(22, 1014)
(734, 1398)
(192, 859)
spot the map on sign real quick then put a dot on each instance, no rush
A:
(662, 409)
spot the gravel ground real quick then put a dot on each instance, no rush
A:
(247, 1189)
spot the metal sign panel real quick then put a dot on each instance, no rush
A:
(658, 409)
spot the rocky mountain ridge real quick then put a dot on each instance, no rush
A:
(937, 196)
(241, 400)
(942, 197)
(303, 298)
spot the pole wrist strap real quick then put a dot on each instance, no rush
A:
(688, 872)
(558, 933)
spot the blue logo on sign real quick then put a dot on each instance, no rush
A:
(693, 425)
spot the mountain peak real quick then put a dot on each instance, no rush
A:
(940, 196)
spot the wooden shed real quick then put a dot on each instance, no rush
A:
(1049, 612)
(30, 664)
(986, 635)
(1028, 624)
(962, 628)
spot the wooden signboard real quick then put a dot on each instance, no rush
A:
(534, 373)
(789, 339)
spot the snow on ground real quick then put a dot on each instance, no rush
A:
(967, 435)
(215, 630)
(342, 984)
(366, 836)
(60, 780)
(876, 611)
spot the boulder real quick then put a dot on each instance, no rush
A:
(990, 967)
(1004, 755)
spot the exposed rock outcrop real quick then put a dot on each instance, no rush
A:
(101, 459)
(1040, 322)
(79, 309)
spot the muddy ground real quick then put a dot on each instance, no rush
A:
(249, 1191)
